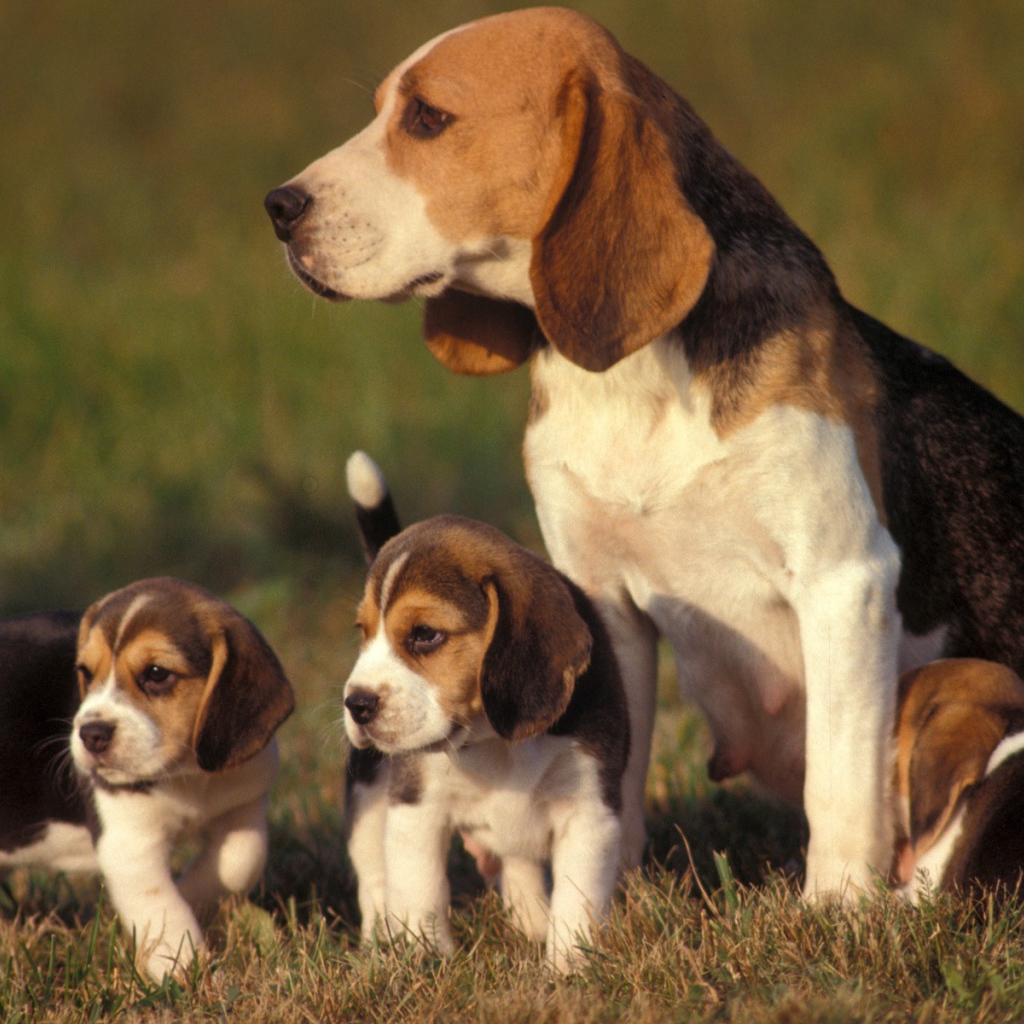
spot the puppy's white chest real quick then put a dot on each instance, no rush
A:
(501, 793)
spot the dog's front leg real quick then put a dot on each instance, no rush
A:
(233, 858)
(584, 867)
(849, 634)
(136, 868)
(416, 841)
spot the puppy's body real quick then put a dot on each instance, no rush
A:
(518, 739)
(170, 729)
(721, 449)
(960, 777)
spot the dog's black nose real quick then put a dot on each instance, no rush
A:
(362, 706)
(286, 206)
(96, 736)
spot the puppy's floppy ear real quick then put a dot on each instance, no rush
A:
(623, 257)
(475, 335)
(539, 646)
(950, 755)
(247, 696)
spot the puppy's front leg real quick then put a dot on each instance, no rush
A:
(584, 867)
(366, 816)
(233, 858)
(136, 868)
(416, 840)
(525, 895)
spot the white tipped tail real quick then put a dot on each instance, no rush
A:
(375, 511)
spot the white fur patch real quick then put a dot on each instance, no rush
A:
(1007, 747)
(62, 847)
(366, 483)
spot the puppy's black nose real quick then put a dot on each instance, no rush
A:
(362, 706)
(286, 206)
(96, 736)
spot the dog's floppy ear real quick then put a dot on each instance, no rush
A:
(539, 646)
(949, 755)
(475, 335)
(247, 696)
(622, 258)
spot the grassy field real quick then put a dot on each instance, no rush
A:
(171, 401)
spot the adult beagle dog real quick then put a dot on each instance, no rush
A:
(485, 698)
(960, 777)
(168, 730)
(721, 449)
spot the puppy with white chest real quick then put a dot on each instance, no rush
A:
(487, 680)
(960, 777)
(178, 699)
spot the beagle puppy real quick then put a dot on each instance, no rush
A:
(721, 449)
(168, 731)
(960, 777)
(485, 698)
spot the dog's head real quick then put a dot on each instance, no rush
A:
(171, 678)
(459, 624)
(952, 715)
(520, 170)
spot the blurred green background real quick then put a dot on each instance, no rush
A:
(171, 399)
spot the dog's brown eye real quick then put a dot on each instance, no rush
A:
(424, 639)
(155, 679)
(423, 121)
(84, 675)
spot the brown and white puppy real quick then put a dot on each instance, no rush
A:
(960, 777)
(175, 708)
(721, 449)
(488, 682)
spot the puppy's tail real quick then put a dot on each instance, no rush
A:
(375, 511)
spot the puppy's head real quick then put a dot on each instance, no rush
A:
(952, 715)
(170, 678)
(458, 622)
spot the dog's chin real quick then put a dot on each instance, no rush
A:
(387, 742)
(316, 286)
(425, 286)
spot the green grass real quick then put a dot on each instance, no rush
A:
(171, 401)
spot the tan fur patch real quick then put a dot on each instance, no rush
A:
(499, 78)
(822, 370)
(453, 669)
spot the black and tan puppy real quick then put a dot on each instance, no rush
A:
(170, 726)
(960, 777)
(489, 682)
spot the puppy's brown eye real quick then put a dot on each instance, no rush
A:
(155, 679)
(424, 639)
(84, 675)
(423, 121)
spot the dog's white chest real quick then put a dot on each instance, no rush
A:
(636, 493)
(502, 793)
